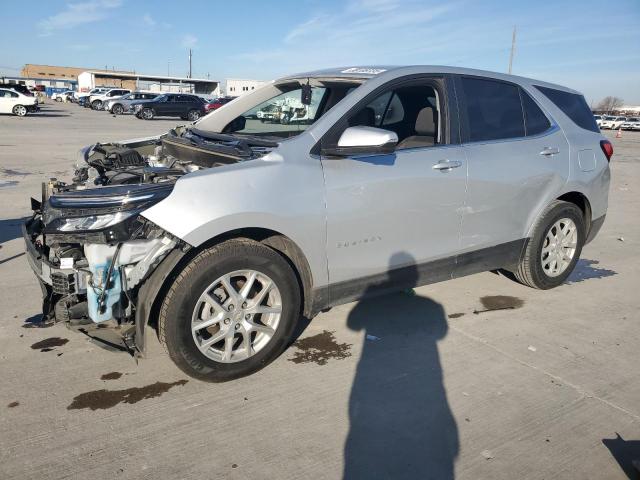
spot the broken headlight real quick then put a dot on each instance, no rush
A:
(93, 222)
(100, 208)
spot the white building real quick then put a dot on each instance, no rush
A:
(235, 86)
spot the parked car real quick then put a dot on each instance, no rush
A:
(98, 99)
(94, 91)
(61, 96)
(17, 103)
(598, 119)
(121, 105)
(632, 123)
(612, 122)
(216, 103)
(228, 230)
(187, 107)
(22, 89)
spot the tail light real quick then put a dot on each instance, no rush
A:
(607, 149)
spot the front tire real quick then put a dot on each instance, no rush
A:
(96, 105)
(117, 109)
(20, 110)
(230, 312)
(554, 248)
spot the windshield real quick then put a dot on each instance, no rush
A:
(284, 114)
(276, 110)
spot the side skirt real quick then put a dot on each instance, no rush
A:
(505, 255)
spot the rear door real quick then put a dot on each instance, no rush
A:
(518, 159)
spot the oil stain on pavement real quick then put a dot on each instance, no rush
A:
(319, 349)
(455, 315)
(13, 404)
(104, 399)
(111, 376)
(49, 344)
(499, 302)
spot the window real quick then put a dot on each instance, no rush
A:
(573, 106)
(535, 121)
(412, 112)
(493, 109)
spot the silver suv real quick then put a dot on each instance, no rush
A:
(225, 232)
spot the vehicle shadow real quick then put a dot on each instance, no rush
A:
(10, 229)
(401, 425)
(626, 453)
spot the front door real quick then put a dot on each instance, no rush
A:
(388, 212)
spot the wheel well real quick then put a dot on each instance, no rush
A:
(582, 203)
(286, 247)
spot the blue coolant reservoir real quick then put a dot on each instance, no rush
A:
(95, 285)
(99, 258)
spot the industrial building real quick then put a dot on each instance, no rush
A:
(235, 87)
(133, 81)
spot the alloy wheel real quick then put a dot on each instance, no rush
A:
(236, 316)
(559, 247)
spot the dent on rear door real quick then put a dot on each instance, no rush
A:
(510, 182)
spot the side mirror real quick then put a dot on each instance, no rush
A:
(363, 141)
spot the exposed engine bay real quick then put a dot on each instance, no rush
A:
(88, 243)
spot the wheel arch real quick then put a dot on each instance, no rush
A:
(576, 197)
(582, 202)
(155, 287)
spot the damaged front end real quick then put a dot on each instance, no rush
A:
(91, 249)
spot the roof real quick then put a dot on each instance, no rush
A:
(150, 77)
(392, 71)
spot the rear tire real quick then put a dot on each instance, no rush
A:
(182, 304)
(193, 115)
(537, 268)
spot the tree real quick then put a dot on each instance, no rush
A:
(609, 104)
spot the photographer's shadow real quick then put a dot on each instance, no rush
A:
(401, 425)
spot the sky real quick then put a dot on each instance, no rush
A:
(592, 46)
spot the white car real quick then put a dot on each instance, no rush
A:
(598, 119)
(616, 122)
(61, 96)
(607, 121)
(97, 101)
(632, 123)
(93, 91)
(17, 103)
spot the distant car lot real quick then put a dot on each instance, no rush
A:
(545, 375)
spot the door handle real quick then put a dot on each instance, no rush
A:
(447, 165)
(548, 151)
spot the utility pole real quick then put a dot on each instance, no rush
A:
(513, 49)
(189, 63)
(168, 68)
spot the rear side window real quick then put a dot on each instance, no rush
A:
(493, 109)
(535, 121)
(573, 106)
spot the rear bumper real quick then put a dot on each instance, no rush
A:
(595, 227)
